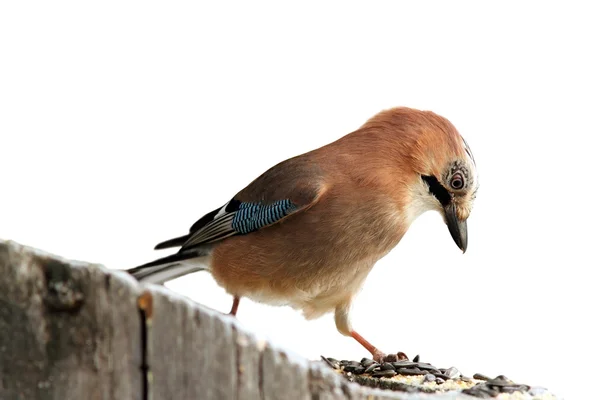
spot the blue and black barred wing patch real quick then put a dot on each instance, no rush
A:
(238, 218)
(253, 216)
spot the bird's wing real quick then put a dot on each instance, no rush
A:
(238, 218)
(284, 190)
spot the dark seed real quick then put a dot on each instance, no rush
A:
(386, 373)
(371, 368)
(439, 381)
(404, 364)
(491, 391)
(332, 362)
(481, 377)
(387, 367)
(514, 388)
(502, 378)
(442, 376)
(499, 382)
(488, 389)
(366, 362)
(359, 370)
(429, 378)
(416, 359)
(425, 366)
(481, 390)
(411, 371)
(348, 368)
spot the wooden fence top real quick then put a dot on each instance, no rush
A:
(73, 330)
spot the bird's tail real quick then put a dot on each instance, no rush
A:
(170, 267)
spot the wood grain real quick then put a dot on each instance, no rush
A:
(68, 330)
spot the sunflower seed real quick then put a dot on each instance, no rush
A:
(349, 368)
(387, 366)
(481, 377)
(482, 390)
(384, 373)
(411, 371)
(514, 388)
(499, 382)
(365, 362)
(425, 366)
(372, 368)
(332, 362)
(404, 364)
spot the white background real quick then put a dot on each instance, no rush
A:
(122, 123)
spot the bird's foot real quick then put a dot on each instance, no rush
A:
(381, 357)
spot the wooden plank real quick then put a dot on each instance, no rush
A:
(284, 376)
(248, 359)
(68, 330)
(191, 349)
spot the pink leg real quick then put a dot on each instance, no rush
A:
(234, 306)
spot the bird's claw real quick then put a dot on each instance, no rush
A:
(381, 357)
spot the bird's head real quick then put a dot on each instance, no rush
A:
(435, 163)
(448, 175)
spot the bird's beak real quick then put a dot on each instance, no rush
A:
(457, 228)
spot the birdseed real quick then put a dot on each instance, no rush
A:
(417, 376)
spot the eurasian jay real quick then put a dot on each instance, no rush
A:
(308, 231)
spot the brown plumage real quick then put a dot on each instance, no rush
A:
(351, 202)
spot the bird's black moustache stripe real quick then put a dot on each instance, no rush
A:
(436, 188)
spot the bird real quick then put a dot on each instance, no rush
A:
(307, 232)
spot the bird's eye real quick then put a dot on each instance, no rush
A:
(457, 182)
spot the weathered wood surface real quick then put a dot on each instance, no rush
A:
(70, 330)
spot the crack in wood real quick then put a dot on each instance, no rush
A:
(144, 367)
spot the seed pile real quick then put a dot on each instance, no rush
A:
(493, 387)
(417, 376)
